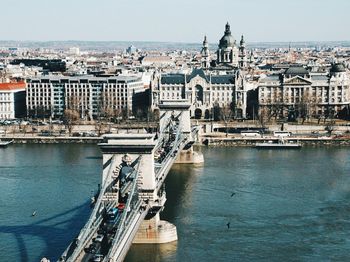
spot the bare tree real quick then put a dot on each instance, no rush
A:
(227, 113)
(277, 106)
(217, 112)
(70, 118)
(99, 127)
(73, 103)
(117, 114)
(263, 116)
(139, 114)
(155, 115)
(306, 106)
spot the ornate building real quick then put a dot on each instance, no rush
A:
(203, 90)
(220, 85)
(227, 53)
(299, 92)
(242, 63)
(205, 54)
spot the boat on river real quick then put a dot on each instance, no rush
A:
(5, 143)
(279, 144)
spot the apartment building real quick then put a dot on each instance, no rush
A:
(90, 96)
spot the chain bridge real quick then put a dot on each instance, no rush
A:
(132, 191)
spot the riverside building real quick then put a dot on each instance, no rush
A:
(203, 90)
(12, 100)
(90, 96)
(300, 92)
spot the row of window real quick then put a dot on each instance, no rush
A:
(6, 116)
(213, 88)
(314, 88)
(5, 107)
(34, 85)
(321, 110)
(294, 100)
(5, 96)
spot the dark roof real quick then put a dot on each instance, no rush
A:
(180, 78)
(223, 79)
(196, 72)
(296, 70)
(269, 78)
(337, 68)
(319, 77)
(173, 79)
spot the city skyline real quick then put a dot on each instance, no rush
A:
(259, 21)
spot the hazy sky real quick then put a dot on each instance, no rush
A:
(174, 21)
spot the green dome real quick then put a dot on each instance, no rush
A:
(338, 68)
(227, 40)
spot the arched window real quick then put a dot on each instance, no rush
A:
(199, 93)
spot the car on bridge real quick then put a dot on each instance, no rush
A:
(91, 249)
(99, 238)
(115, 213)
(97, 258)
(121, 206)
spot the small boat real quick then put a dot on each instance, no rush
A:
(280, 144)
(5, 143)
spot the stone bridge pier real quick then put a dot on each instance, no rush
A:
(180, 109)
(125, 149)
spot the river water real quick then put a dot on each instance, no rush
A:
(281, 205)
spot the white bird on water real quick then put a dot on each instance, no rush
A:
(34, 213)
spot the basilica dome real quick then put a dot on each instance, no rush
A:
(227, 40)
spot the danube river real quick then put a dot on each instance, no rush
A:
(279, 205)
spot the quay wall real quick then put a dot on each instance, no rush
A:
(251, 141)
(206, 140)
(54, 140)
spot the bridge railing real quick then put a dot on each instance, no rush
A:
(131, 209)
(95, 218)
(165, 126)
(178, 144)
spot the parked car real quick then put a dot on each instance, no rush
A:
(89, 134)
(76, 134)
(45, 133)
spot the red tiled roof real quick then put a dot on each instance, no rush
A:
(12, 86)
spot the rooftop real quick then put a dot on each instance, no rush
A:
(122, 78)
(296, 70)
(12, 86)
(180, 78)
(269, 78)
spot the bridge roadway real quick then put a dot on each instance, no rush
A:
(121, 245)
(118, 238)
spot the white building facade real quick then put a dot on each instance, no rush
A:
(313, 95)
(12, 100)
(90, 96)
